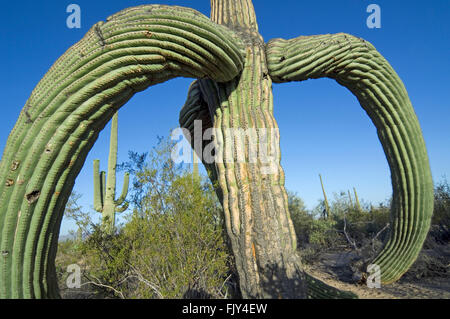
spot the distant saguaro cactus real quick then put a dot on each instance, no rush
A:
(358, 205)
(350, 199)
(325, 199)
(105, 189)
(146, 45)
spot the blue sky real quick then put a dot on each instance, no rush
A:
(323, 128)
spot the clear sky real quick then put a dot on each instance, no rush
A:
(323, 128)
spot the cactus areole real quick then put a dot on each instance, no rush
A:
(234, 69)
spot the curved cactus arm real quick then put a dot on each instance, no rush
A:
(121, 209)
(317, 289)
(123, 195)
(196, 109)
(132, 50)
(98, 203)
(356, 64)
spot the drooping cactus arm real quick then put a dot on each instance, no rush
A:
(196, 109)
(133, 50)
(355, 64)
(123, 195)
(121, 209)
(44, 281)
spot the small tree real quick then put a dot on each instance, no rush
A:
(441, 214)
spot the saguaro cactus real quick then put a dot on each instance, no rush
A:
(105, 188)
(350, 199)
(358, 205)
(142, 46)
(325, 199)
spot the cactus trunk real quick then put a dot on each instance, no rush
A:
(325, 199)
(109, 207)
(254, 199)
(251, 190)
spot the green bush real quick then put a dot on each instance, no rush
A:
(171, 246)
(180, 251)
(441, 213)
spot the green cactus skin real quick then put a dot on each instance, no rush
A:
(134, 49)
(358, 205)
(325, 200)
(146, 45)
(350, 199)
(105, 191)
(355, 64)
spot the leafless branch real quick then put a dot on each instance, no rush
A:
(351, 242)
(104, 286)
(140, 277)
(378, 234)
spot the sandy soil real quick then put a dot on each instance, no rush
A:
(332, 268)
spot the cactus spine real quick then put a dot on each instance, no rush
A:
(146, 45)
(105, 190)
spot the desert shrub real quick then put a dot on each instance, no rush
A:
(441, 213)
(301, 218)
(363, 226)
(312, 229)
(323, 233)
(180, 251)
(68, 254)
(106, 266)
(172, 245)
